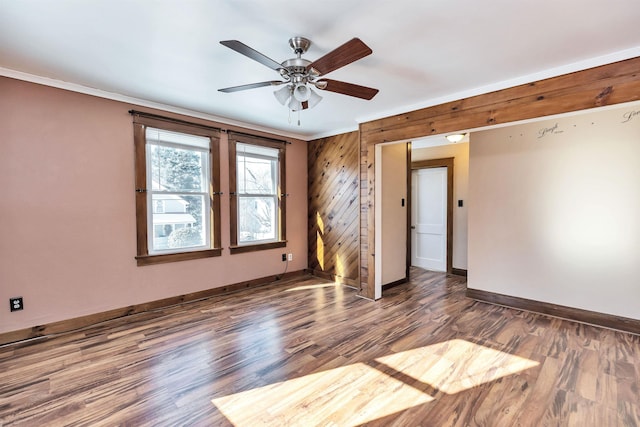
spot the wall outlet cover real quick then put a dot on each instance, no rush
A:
(16, 304)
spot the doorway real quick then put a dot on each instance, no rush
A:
(432, 214)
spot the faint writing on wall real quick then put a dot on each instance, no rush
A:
(630, 115)
(549, 131)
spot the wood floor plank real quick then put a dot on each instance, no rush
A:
(308, 352)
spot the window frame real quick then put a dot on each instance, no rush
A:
(141, 121)
(281, 241)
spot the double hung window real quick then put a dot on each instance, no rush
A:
(257, 185)
(178, 173)
(177, 168)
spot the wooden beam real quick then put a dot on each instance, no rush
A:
(596, 87)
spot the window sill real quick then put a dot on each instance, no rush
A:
(257, 247)
(180, 256)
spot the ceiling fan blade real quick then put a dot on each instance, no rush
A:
(349, 52)
(348, 89)
(250, 86)
(251, 53)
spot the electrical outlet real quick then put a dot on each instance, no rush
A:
(284, 257)
(290, 257)
(16, 304)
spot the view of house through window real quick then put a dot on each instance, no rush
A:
(178, 178)
(257, 191)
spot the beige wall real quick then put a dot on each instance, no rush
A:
(391, 216)
(460, 153)
(67, 212)
(554, 211)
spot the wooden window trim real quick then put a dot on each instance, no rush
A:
(141, 121)
(257, 247)
(234, 138)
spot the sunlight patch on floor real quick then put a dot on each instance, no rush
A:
(456, 365)
(356, 394)
(346, 396)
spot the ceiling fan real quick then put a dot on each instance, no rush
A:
(299, 74)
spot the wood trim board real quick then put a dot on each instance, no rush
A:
(570, 313)
(459, 272)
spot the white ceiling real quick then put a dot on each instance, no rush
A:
(166, 53)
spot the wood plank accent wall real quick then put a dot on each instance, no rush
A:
(334, 204)
(605, 85)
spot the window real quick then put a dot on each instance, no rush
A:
(177, 194)
(257, 185)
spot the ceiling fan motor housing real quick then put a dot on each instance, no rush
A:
(296, 65)
(296, 68)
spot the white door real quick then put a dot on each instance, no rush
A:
(429, 218)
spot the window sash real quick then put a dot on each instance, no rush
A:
(205, 176)
(245, 216)
(255, 232)
(242, 179)
(158, 245)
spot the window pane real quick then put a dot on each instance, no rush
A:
(256, 175)
(181, 225)
(177, 169)
(256, 219)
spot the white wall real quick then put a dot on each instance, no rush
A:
(460, 153)
(554, 211)
(391, 216)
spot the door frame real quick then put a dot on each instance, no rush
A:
(427, 164)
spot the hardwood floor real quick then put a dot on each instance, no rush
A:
(307, 352)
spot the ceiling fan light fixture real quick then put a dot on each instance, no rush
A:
(295, 105)
(321, 84)
(283, 94)
(314, 99)
(302, 92)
